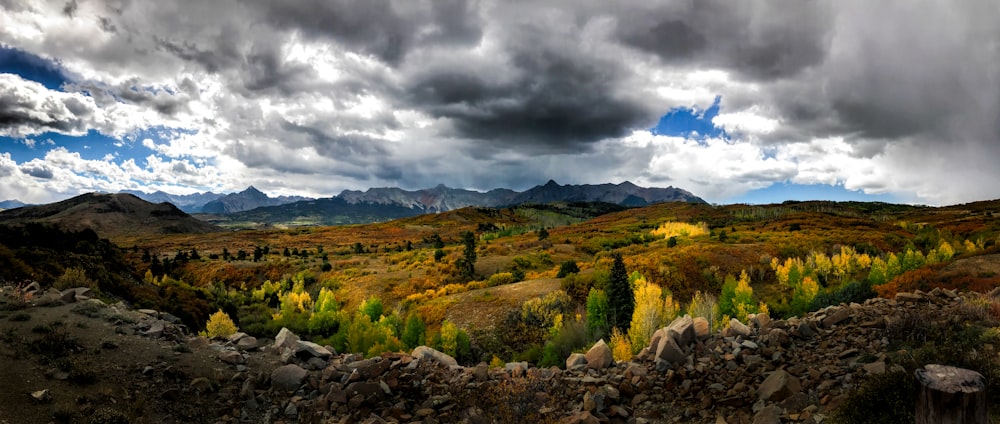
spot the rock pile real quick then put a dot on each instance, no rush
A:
(766, 371)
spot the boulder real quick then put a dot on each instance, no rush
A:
(836, 317)
(285, 339)
(599, 356)
(778, 386)
(304, 349)
(737, 328)
(768, 415)
(287, 377)
(247, 343)
(909, 297)
(424, 352)
(805, 330)
(682, 330)
(668, 350)
(778, 338)
(231, 357)
(701, 328)
(575, 359)
(156, 330)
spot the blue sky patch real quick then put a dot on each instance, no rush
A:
(683, 122)
(32, 67)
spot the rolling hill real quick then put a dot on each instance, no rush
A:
(110, 215)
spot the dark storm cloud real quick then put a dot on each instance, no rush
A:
(759, 39)
(386, 29)
(336, 145)
(165, 101)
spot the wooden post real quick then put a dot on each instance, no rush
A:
(950, 395)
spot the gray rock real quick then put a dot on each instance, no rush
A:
(778, 386)
(287, 377)
(599, 356)
(702, 329)
(304, 349)
(424, 352)
(682, 330)
(909, 297)
(231, 357)
(575, 359)
(156, 330)
(836, 317)
(668, 350)
(778, 337)
(768, 415)
(805, 330)
(247, 343)
(285, 339)
(737, 328)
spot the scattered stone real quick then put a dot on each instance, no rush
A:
(599, 356)
(201, 384)
(682, 330)
(156, 330)
(247, 343)
(287, 377)
(668, 351)
(875, 367)
(737, 328)
(768, 415)
(231, 357)
(805, 330)
(576, 359)
(305, 349)
(285, 339)
(42, 396)
(424, 352)
(778, 386)
(838, 316)
(909, 297)
(701, 328)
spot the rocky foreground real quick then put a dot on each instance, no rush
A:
(143, 366)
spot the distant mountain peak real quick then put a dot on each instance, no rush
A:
(552, 183)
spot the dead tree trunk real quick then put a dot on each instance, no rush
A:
(950, 395)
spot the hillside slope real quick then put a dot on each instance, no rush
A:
(110, 215)
(80, 359)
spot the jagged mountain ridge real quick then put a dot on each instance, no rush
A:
(248, 199)
(190, 203)
(442, 198)
(110, 215)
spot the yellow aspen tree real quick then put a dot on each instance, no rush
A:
(648, 314)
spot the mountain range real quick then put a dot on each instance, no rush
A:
(129, 212)
(431, 200)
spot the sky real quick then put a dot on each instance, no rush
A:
(735, 101)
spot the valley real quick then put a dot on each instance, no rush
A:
(535, 283)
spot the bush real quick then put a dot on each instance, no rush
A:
(219, 325)
(500, 279)
(567, 268)
(885, 398)
(72, 278)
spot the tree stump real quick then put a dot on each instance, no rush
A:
(950, 395)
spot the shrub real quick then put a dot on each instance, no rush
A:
(597, 313)
(885, 398)
(500, 278)
(72, 278)
(567, 268)
(219, 325)
(621, 349)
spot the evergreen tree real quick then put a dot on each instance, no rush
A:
(621, 299)
(467, 267)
